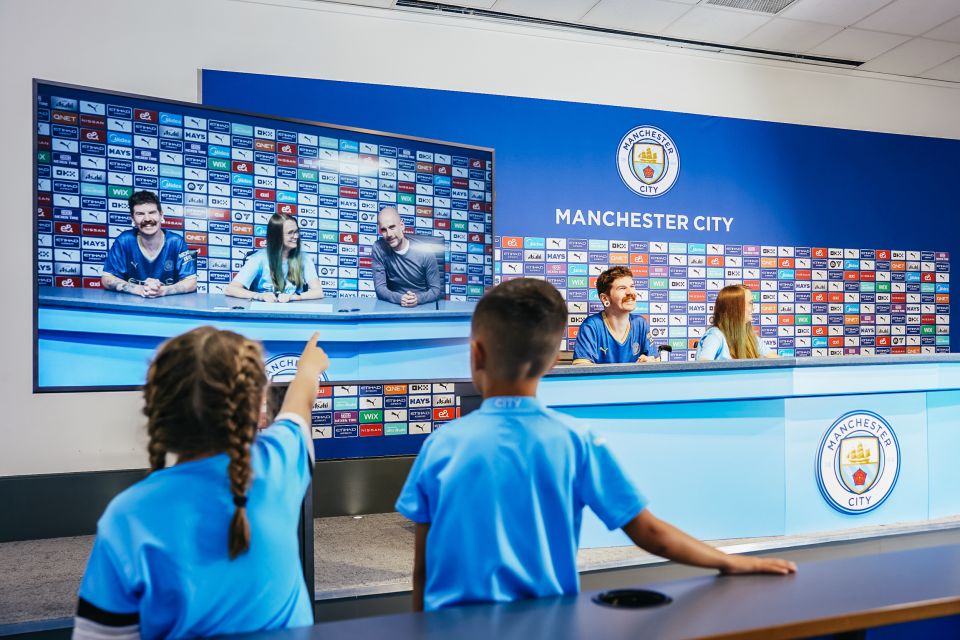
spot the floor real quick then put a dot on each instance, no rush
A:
(372, 554)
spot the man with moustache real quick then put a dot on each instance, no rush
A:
(147, 261)
(613, 335)
(404, 272)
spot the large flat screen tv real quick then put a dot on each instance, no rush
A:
(396, 232)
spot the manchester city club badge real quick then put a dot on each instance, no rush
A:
(858, 462)
(648, 161)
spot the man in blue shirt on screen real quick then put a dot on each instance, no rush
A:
(147, 261)
(404, 273)
(498, 495)
(614, 335)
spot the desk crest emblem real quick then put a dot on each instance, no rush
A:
(283, 367)
(858, 462)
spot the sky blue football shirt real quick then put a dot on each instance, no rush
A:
(596, 344)
(713, 346)
(161, 545)
(126, 261)
(255, 273)
(503, 489)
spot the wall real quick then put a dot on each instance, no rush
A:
(156, 48)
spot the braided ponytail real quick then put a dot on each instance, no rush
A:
(203, 395)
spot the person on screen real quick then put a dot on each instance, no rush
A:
(403, 272)
(509, 481)
(614, 335)
(731, 336)
(208, 546)
(147, 261)
(281, 272)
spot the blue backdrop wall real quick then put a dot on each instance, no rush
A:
(845, 236)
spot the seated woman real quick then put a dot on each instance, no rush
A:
(731, 337)
(281, 272)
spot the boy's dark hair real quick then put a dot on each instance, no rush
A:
(524, 320)
(144, 197)
(605, 280)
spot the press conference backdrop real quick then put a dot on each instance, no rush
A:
(844, 236)
(220, 175)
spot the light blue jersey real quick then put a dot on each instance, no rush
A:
(161, 546)
(255, 274)
(503, 489)
(713, 346)
(596, 344)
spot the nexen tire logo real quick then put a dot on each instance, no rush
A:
(858, 462)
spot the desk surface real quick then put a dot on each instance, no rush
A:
(823, 597)
(221, 306)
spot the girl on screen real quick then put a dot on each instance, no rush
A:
(209, 545)
(281, 272)
(731, 337)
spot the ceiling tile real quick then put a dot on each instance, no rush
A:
(722, 26)
(371, 3)
(641, 16)
(949, 71)
(857, 44)
(949, 31)
(911, 17)
(914, 56)
(795, 36)
(564, 10)
(473, 4)
(842, 13)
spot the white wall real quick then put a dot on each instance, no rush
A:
(156, 47)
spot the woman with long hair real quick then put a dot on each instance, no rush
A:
(281, 272)
(208, 545)
(731, 337)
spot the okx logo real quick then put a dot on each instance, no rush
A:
(858, 462)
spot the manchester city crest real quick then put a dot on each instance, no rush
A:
(648, 161)
(283, 367)
(858, 462)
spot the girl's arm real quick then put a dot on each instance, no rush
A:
(303, 389)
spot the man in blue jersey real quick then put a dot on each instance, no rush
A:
(147, 261)
(614, 335)
(498, 495)
(404, 273)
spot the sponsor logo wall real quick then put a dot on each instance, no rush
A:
(345, 416)
(809, 301)
(221, 176)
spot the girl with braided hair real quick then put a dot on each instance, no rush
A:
(208, 546)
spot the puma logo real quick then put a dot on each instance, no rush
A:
(603, 349)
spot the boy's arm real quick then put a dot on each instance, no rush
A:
(420, 564)
(663, 539)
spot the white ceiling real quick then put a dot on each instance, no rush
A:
(917, 38)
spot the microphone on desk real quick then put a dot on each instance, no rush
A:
(663, 352)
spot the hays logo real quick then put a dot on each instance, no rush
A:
(858, 462)
(648, 161)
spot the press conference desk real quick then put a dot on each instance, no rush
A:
(90, 337)
(825, 597)
(733, 449)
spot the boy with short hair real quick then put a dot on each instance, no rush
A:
(498, 495)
